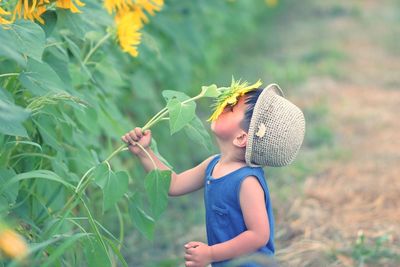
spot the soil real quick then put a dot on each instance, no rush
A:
(357, 196)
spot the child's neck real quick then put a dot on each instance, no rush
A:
(230, 154)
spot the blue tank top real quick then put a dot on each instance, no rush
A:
(224, 218)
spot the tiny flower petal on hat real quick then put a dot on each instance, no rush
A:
(261, 130)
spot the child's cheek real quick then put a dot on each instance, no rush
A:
(222, 128)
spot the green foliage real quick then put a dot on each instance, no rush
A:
(376, 251)
(180, 113)
(113, 185)
(11, 117)
(157, 184)
(67, 94)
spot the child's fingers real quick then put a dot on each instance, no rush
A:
(188, 257)
(189, 264)
(147, 132)
(124, 139)
(129, 139)
(192, 244)
(138, 132)
(133, 135)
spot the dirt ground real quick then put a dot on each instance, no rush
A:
(357, 196)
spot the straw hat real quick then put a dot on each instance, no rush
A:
(276, 130)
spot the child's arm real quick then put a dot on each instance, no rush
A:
(183, 183)
(257, 234)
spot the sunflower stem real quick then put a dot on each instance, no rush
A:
(102, 40)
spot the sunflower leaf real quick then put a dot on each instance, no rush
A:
(180, 113)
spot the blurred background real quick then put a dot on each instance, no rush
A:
(338, 204)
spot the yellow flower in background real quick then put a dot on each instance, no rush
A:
(130, 18)
(69, 4)
(229, 96)
(150, 6)
(128, 26)
(4, 13)
(33, 9)
(115, 5)
(271, 3)
(12, 245)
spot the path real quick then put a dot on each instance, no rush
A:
(360, 194)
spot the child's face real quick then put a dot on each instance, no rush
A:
(227, 125)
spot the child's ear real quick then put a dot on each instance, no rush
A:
(241, 139)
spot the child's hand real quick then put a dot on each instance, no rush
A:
(137, 136)
(197, 254)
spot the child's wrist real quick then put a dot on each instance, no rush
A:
(211, 254)
(144, 153)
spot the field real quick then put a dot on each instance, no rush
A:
(70, 193)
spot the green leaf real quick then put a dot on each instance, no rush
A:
(47, 129)
(180, 114)
(210, 91)
(50, 18)
(154, 147)
(60, 250)
(11, 118)
(142, 221)
(24, 143)
(10, 195)
(197, 133)
(117, 252)
(68, 21)
(7, 47)
(113, 185)
(171, 94)
(95, 254)
(29, 38)
(157, 184)
(57, 58)
(40, 79)
(87, 118)
(37, 174)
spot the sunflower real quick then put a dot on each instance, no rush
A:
(34, 9)
(229, 96)
(128, 26)
(130, 18)
(69, 4)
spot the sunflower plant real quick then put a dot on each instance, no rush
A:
(130, 16)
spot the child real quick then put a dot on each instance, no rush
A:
(253, 127)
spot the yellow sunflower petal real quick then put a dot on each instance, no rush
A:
(231, 96)
(216, 113)
(12, 244)
(3, 12)
(38, 13)
(128, 26)
(149, 6)
(69, 4)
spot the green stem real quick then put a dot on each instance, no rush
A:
(146, 126)
(115, 152)
(9, 74)
(149, 125)
(121, 227)
(83, 177)
(105, 37)
(147, 154)
(94, 226)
